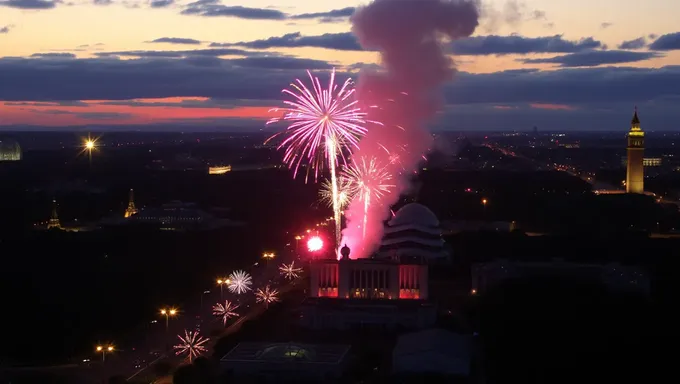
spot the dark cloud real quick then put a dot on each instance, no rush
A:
(192, 103)
(606, 25)
(103, 115)
(176, 40)
(594, 58)
(213, 8)
(54, 55)
(668, 42)
(102, 2)
(339, 41)
(5, 29)
(178, 54)
(108, 79)
(29, 4)
(634, 44)
(478, 45)
(514, 44)
(161, 3)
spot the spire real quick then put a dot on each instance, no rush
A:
(54, 218)
(131, 209)
(636, 120)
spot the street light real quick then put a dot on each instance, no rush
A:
(221, 283)
(167, 312)
(297, 240)
(103, 349)
(268, 256)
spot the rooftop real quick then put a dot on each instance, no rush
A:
(287, 352)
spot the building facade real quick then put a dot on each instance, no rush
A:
(635, 178)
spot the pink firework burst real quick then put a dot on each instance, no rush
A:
(191, 345)
(267, 295)
(289, 271)
(225, 311)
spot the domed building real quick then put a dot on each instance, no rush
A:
(413, 234)
(10, 150)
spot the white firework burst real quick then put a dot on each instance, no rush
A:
(240, 282)
(192, 344)
(225, 311)
(266, 295)
(289, 271)
(326, 193)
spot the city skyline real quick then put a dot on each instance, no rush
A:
(557, 65)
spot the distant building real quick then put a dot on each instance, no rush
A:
(350, 293)
(177, 216)
(432, 351)
(54, 222)
(635, 165)
(10, 150)
(285, 362)
(131, 209)
(413, 233)
(646, 161)
(219, 170)
(615, 276)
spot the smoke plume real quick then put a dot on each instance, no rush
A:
(404, 95)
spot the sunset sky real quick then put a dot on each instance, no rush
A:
(555, 64)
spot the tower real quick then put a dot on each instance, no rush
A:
(54, 218)
(131, 209)
(636, 147)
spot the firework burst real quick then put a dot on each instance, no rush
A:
(266, 295)
(369, 181)
(323, 122)
(240, 282)
(225, 311)
(289, 271)
(326, 193)
(191, 344)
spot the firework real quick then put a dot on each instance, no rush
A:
(225, 311)
(368, 181)
(289, 271)
(314, 244)
(326, 193)
(191, 344)
(240, 282)
(266, 295)
(323, 123)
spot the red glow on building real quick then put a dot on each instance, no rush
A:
(409, 282)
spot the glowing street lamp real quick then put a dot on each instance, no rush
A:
(268, 256)
(297, 241)
(103, 349)
(221, 283)
(168, 312)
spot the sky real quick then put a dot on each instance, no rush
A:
(129, 64)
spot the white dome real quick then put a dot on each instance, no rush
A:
(414, 214)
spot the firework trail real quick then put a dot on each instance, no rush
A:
(240, 282)
(225, 311)
(404, 94)
(369, 181)
(191, 344)
(324, 124)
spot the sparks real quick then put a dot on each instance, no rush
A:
(266, 295)
(289, 271)
(325, 123)
(192, 344)
(314, 244)
(326, 193)
(240, 282)
(368, 181)
(225, 311)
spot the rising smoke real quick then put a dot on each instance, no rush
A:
(404, 95)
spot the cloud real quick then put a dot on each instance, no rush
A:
(178, 54)
(512, 13)
(54, 55)
(514, 44)
(339, 41)
(594, 58)
(102, 2)
(478, 45)
(606, 25)
(633, 44)
(5, 29)
(29, 4)
(176, 40)
(213, 8)
(249, 79)
(103, 115)
(668, 42)
(161, 3)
